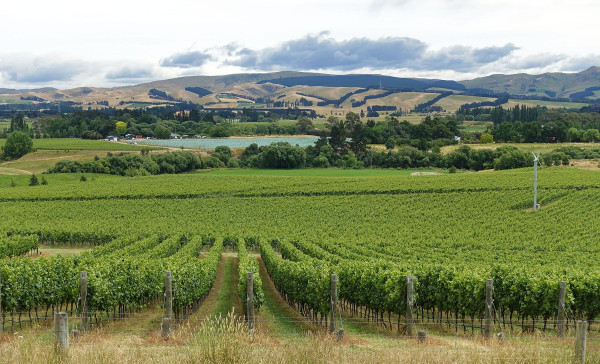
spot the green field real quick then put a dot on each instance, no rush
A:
(529, 147)
(549, 104)
(82, 144)
(321, 172)
(475, 126)
(372, 228)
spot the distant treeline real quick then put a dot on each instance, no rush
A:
(370, 97)
(366, 81)
(499, 114)
(426, 105)
(201, 92)
(588, 92)
(499, 101)
(161, 95)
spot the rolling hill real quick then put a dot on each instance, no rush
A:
(287, 89)
(553, 85)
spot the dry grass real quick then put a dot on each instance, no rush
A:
(528, 147)
(453, 102)
(43, 160)
(48, 251)
(404, 100)
(227, 341)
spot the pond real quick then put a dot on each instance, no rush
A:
(212, 143)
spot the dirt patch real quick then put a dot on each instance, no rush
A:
(589, 164)
(425, 173)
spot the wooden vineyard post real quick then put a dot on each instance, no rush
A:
(61, 332)
(250, 301)
(167, 320)
(83, 296)
(410, 294)
(562, 293)
(580, 340)
(334, 302)
(489, 287)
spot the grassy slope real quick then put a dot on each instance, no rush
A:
(42, 160)
(453, 102)
(49, 151)
(529, 147)
(548, 104)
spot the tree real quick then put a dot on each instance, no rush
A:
(390, 143)
(337, 137)
(33, 180)
(18, 144)
(505, 132)
(304, 125)
(282, 155)
(162, 132)
(223, 153)
(574, 135)
(121, 127)
(352, 119)
(591, 135)
(359, 139)
(18, 122)
(486, 138)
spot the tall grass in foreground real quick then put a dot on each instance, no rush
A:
(227, 341)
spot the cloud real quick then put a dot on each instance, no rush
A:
(535, 61)
(130, 72)
(460, 58)
(320, 52)
(581, 63)
(27, 69)
(186, 59)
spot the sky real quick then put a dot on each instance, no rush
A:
(110, 43)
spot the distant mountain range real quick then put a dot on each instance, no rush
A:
(579, 85)
(290, 86)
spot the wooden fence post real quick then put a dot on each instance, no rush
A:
(489, 286)
(250, 301)
(61, 332)
(410, 295)
(334, 302)
(83, 296)
(580, 340)
(562, 292)
(167, 320)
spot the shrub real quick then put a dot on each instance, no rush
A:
(212, 162)
(162, 132)
(321, 162)
(33, 180)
